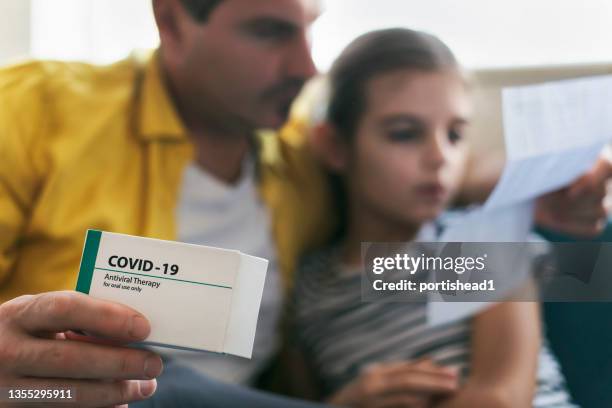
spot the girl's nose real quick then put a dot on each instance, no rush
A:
(436, 151)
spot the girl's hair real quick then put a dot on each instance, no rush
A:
(373, 54)
(367, 57)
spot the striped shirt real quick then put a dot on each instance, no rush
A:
(341, 335)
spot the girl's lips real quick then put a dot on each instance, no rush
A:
(432, 191)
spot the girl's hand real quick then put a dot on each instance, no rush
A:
(403, 384)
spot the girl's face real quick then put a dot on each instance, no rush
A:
(406, 160)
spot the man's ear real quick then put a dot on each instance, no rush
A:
(167, 16)
(329, 147)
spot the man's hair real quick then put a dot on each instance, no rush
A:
(200, 10)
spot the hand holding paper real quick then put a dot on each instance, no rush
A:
(554, 133)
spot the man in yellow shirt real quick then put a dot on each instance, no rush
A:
(108, 147)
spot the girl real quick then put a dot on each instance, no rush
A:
(393, 140)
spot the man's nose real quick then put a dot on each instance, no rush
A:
(300, 64)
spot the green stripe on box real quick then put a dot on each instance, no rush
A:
(88, 261)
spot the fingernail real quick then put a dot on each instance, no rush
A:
(140, 328)
(451, 370)
(147, 387)
(153, 366)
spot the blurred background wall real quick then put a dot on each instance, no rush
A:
(483, 33)
(14, 28)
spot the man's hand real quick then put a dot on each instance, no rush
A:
(39, 349)
(581, 209)
(402, 384)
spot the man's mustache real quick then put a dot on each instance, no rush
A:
(286, 89)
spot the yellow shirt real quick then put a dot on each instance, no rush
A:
(85, 146)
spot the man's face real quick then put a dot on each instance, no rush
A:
(247, 62)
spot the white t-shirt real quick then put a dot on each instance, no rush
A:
(213, 213)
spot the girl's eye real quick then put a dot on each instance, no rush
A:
(454, 136)
(402, 135)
